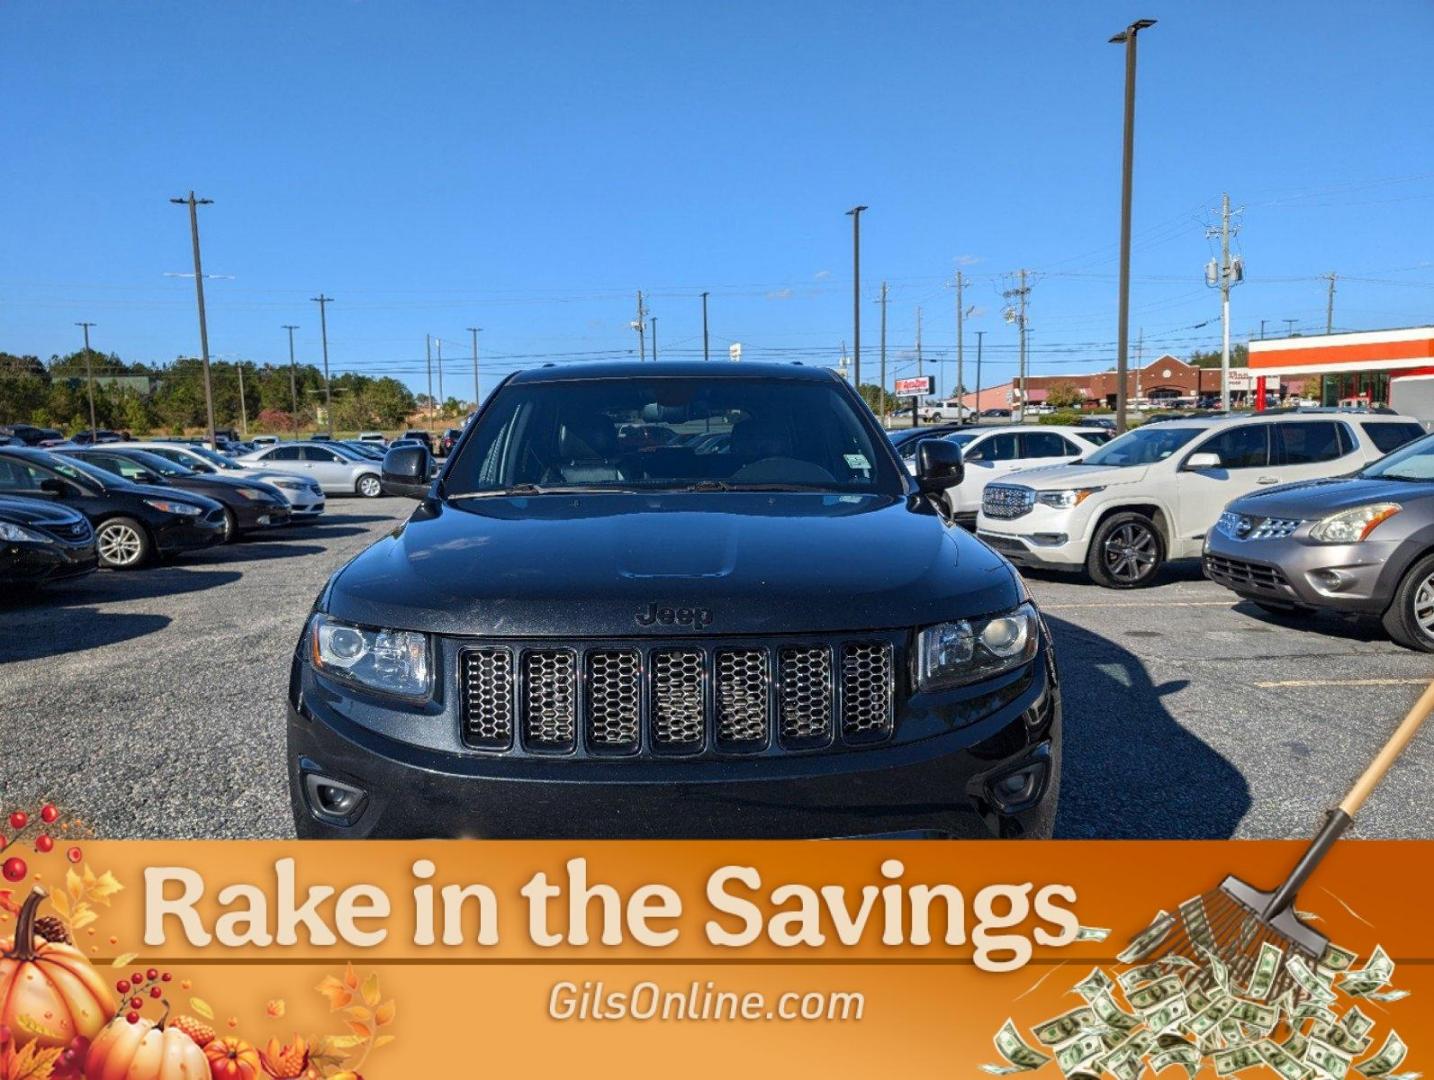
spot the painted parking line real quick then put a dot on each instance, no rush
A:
(1155, 604)
(1295, 684)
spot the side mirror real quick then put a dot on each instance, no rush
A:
(406, 472)
(200, 467)
(1206, 460)
(938, 466)
(144, 476)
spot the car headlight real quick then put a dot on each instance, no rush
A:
(289, 485)
(252, 494)
(1352, 526)
(171, 507)
(1229, 524)
(955, 653)
(18, 534)
(392, 661)
(1068, 499)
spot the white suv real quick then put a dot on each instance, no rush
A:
(1152, 494)
(993, 453)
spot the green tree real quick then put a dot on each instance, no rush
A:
(1239, 357)
(1064, 395)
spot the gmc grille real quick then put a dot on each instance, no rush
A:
(999, 501)
(677, 699)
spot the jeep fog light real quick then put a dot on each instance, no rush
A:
(333, 799)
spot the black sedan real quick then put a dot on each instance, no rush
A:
(133, 522)
(249, 505)
(41, 542)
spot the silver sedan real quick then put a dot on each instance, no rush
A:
(337, 470)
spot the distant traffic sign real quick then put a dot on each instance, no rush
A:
(920, 386)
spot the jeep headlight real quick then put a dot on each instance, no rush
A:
(1352, 526)
(1068, 499)
(954, 653)
(391, 661)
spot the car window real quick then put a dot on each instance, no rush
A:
(318, 453)
(1387, 437)
(114, 463)
(16, 475)
(1245, 446)
(1412, 461)
(284, 453)
(1143, 446)
(1307, 442)
(1095, 437)
(1042, 444)
(1003, 447)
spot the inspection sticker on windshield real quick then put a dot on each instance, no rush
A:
(857, 461)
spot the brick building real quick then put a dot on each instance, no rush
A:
(1166, 379)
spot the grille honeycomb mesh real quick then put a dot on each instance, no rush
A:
(866, 690)
(806, 695)
(678, 692)
(550, 699)
(743, 684)
(614, 698)
(488, 698)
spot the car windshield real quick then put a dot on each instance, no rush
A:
(83, 472)
(622, 433)
(1143, 446)
(213, 457)
(160, 466)
(1412, 462)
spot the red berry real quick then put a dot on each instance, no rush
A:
(152, 974)
(43, 844)
(122, 986)
(132, 1017)
(74, 854)
(14, 869)
(136, 1003)
(155, 991)
(137, 978)
(19, 819)
(48, 813)
(68, 1057)
(165, 977)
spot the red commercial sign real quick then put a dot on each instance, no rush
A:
(917, 387)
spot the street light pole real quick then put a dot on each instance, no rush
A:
(705, 354)
(1126, 37)
(323, 302)
(474, 331)
(89, 377)
(293, 379)
(855, 214)
(194, 205)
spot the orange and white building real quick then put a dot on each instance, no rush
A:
(1343, 369)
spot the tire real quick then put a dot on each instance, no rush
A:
(369, 486)
(231, 527)
(123, 544)
(1126, 552)
(1410, 618)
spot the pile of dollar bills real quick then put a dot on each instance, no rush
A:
(1302, 1020)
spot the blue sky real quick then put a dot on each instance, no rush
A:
(526, 167)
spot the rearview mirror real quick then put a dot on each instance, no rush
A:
(938, 466)
(406, 471)
(1205, 460)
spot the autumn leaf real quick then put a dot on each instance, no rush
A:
(7, 902)
(123, 960)
(102, 888)
(84, 915)
(74, 885)
(371, 993)
(359, 1013)
(351, 979)
(363, 1031)
(276, 1008)
(334, 1044)
(61, 903)
(202, 1007)
(384, 1014)
(383, 1040)
(33, 1063)
(337, 993)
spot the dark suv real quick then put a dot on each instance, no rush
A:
(779, 638)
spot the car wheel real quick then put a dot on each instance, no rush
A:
(369, 486)
(1410, 618)
(122, 543)
(1125, 552)
(231, 527)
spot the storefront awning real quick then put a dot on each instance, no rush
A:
(1374, 350)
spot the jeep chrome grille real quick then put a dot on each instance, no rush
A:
(1006, 502)
(680, 698)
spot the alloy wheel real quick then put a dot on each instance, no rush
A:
(119, 545)
(1424, 606)
(1130, 552)
(370, 488)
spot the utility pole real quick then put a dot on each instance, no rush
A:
(438, 362)
(89, 377)
(243, 409)
(960, 342)
(428, 352)
(323, 302)
(1262, 328)
(1126, 37)
(653, 320)
(293, 379)
(855, 214)
(1018, 316)
(919, 372)
(1139, 359)
(474, 331)
(980, 335)
(194, 205)
(640, 325)
(1329, 305)
(705, 355)
(1224, 276)
(883, 353)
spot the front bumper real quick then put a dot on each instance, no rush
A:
(254, 515)
(188, 534)
(1357, 578)
(944, 785)
(35, 564)
(1043, 536)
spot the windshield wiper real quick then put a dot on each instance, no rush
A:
(544, 489)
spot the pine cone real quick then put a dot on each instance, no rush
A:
(52, 929)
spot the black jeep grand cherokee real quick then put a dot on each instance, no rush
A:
(601, 622)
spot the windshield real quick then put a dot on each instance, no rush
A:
(160, 466)
(218, 460)
(1412, 462)
(1143, 446)
(631, 434)
(83, 472)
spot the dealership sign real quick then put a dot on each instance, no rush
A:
(920, 386)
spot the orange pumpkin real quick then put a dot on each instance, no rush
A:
(49, 994)
(231, 1058)
(144, 1050)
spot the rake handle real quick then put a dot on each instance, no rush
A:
(1342, 818)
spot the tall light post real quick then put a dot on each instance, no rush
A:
(855, 214)
(194, 204)
(476, 398)
(323, 302)
(293, 379)
(1126, 37)
(705, 354)
(89, 377)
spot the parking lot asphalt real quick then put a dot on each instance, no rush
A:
(151, 704)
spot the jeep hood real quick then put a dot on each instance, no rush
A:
(585, 566)
(1055, 477)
